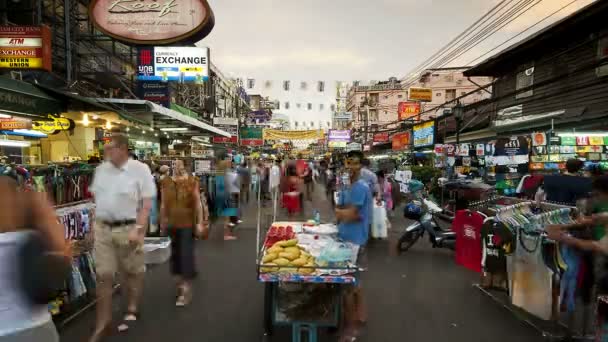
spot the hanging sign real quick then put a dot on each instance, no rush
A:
(339, 135)
(275, 134)
(230, 125)
(381, 137)
(154, 91)
(25, 47)
(408, 110)
(153, 22)
(353, 147)
(401, 141)
(251, 136)
(424, 134)
(337, 144)
(53, 126)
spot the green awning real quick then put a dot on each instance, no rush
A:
(184, 110)
(24, 99)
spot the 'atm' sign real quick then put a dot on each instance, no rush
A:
(25, 47)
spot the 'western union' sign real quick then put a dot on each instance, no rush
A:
(20, 62)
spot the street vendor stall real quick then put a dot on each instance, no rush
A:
(305, 267)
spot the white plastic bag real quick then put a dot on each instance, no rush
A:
(379, 226)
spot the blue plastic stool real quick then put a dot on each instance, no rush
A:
(298, 329)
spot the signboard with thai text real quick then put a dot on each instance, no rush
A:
(420, 94)
(401, 141)
(153, 22)
(343, 116)
(339, 135)
(25, 47)
(408, 110)
(230, 125)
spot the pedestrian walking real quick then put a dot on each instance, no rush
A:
(290, 188)
(226, 192)
(245, 181)
(183, 219)
(26, 216)
(123, 189)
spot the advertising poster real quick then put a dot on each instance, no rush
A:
(424, 134)
(381, 137)
(401, 141)
(517, 145)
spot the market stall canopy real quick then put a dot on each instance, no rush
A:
(24, 99)
(165, 118)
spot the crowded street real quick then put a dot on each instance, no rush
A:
(421, 295)
(303, 171)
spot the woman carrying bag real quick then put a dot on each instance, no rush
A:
(34, 263)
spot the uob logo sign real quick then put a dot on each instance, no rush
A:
(145, 63)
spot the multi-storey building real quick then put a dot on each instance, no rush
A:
(448, 84)
(306, 104)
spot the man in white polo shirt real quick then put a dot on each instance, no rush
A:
(123, 190)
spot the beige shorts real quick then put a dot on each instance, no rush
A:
(115, 253)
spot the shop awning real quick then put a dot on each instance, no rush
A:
(165, 117)
(471, 137)
(24, 99)
(77, 102)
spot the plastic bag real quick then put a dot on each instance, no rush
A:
(336, 252)
(379, 226)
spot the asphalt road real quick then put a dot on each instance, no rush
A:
(418, 296)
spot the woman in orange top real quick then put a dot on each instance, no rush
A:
(182, 214)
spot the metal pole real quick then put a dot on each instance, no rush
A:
(257, 237)
(68, 38)
(275, 195)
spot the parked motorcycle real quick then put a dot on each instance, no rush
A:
(427, 216)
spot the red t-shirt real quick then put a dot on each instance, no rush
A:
(301, 167)
(467, 225)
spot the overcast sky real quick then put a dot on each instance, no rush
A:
(349, 39)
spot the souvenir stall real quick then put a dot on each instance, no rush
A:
(304, 268)
(541, 282)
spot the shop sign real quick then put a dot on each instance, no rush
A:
(337, 144)
(25, 47)
(539, 139)
(54, 125)
(10, 124)
(381, 137)
(339, 135)
(153, 22)
(401, 141)
(154, 91)
(182, 64)
(199, 151)
(408, 110)
(343, 116)
(252, 142)
(259, 116)
(420, 94)
(229, 125)
(424, 134)
(354, 147)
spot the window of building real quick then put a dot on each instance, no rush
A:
(303, 85)
(385, 97)
(286, 85)
(309, 106)
(450, 94)
(296, 124)
(399, 96)
(333, 107)
(321, 106)
(298, 105)
(463, 93)
(268, 84)
(277, 105)
(286, 105)
(448, 78)
(321, 86)
(250, 83)
(525, 78)
(328, 124)
(312, 124)
(438, 94)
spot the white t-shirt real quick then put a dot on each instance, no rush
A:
(16, 314)
(119, 191)
(275, 176)
(233, 185)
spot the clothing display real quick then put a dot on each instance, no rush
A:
(467, 226)
(497, 242)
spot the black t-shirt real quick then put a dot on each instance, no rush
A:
(566, 189)
(498, 241)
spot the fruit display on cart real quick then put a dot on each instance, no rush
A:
(278, 233)
(286, 256)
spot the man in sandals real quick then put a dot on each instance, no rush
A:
(123, 189)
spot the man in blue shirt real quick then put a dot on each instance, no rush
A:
(353, 214)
